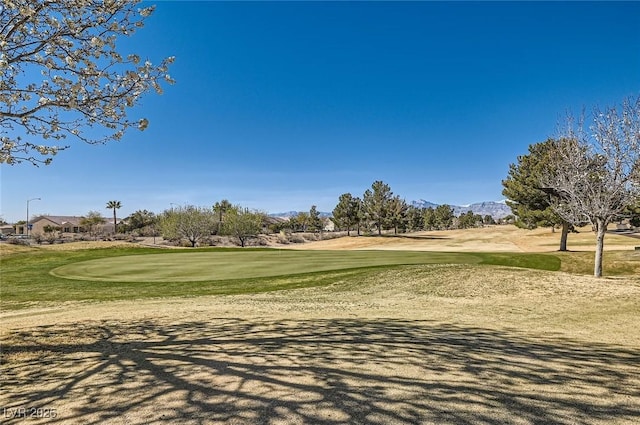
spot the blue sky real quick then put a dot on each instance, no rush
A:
(283, 105)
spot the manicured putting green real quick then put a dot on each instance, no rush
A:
(242, 264)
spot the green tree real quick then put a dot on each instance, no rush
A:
(299, 222)
(397, 214)
(221, 208)
(469, 220)
(346, 213)
(243, 224)
(189, 222)
(429, 219)
(634, 214)
(443, 217)
(488, 219)
(360, 216)
(523, 188)
(142, 221)
(376, 204)
(315, 222)
(114, 205)
(78, 84)
(415, 218)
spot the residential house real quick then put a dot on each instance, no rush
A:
(6, 229)
(66, 224)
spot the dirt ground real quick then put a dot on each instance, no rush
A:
(440, 344)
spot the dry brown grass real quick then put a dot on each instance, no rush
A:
(487, 239)
(7, 248)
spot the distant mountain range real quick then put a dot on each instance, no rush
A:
(289, 214)
(494, 209)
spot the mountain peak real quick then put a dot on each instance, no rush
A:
(496, 209)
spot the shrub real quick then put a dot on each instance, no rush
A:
(296, 238)
(18, 241)
(261, 241)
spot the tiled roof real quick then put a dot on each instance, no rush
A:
(59, 219)
(66, 219)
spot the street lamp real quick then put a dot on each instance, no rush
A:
(29, 200)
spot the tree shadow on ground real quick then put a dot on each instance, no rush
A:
(355, 371)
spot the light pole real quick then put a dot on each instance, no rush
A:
(29, 200)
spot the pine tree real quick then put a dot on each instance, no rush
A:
(531, 205)
(376, 204)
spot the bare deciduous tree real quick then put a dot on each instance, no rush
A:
(61, 75)
(597, 170)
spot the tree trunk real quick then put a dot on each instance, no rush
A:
(348, 230)
(601, 228)
(115, 226)
(379, 229)
(564, 235)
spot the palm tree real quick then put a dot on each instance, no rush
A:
(221, 208)
(114, 205)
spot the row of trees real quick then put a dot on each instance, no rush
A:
(589, 174)
(380, 209)
(188, 222)
(304, 222)
(193, 223)
(385, 212)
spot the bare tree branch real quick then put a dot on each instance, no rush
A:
(85, 83)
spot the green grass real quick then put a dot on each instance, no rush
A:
(257, 263)
(215, 265)
(133, 273)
